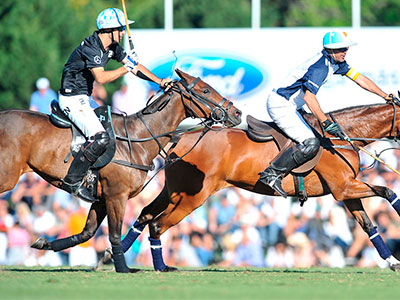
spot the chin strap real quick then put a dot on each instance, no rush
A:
(333, 55)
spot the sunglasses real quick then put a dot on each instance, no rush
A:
(341, 50)
(120, 29)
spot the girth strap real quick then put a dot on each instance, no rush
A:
(300, 190)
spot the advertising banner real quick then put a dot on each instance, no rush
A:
(245, 65)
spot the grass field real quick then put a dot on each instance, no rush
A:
(211, 283)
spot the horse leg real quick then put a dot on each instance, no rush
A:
(115, 214)
(389, 195)
(96, 215)
(354, 189)
(179, 207)
(357, 210)
(156, 207)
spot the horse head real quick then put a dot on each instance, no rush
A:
(203, 101)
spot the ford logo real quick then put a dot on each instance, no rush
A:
(231, 76)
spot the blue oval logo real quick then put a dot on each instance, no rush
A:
(231, 76)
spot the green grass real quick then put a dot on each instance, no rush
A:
(211, 283)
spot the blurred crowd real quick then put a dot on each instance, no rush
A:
(233, 228)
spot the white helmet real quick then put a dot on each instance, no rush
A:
(337, 40)
(111, 18)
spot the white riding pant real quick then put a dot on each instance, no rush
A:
(79, 111)
(284, 113)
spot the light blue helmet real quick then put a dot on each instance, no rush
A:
(337, 40)
(111, 18)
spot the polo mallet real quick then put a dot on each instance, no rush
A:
(370, 154)
(127, 25)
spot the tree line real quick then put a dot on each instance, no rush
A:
(37, 36)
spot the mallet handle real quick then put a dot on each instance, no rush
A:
(373, 156)
(127, 25)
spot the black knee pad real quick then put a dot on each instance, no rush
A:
(97, 147)
(307, 150)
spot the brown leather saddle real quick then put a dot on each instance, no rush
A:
(260, 131)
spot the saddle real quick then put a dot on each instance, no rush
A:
(261, 132)
(59, 119)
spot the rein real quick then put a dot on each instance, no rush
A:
(392, 137)
(219, 114)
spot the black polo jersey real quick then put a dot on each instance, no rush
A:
(77, 79)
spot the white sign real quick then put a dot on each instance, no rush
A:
(244, 65)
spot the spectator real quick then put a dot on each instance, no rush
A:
(83, 254)
(32, 190)
(249, 251)
(121, 102)
(19, 240)
(304, 257)
(280, 255)
(41, 99)
(6, 222)
(99, 95)
(389, 230)
(221, 216)
(202, 249)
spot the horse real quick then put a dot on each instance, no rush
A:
(229, 158)
(30, 142)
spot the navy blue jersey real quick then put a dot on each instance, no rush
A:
(311, 76)
(77, 79)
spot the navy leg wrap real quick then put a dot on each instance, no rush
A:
(132, 235)
(379, 244)
(119, 259)
(66, 243)
(156, 252)
(395, 203)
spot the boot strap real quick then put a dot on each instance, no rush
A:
(73, 187)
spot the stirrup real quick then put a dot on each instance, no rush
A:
(84, 194)
(79, 190)
(273, 181)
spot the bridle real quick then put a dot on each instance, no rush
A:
(394, 102)
(219, 114)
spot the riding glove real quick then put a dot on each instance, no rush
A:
(333, 129)
(130, 64)
(132, 55)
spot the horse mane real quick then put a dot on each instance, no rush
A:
(351, 109)
(355, 120)
(157, 104)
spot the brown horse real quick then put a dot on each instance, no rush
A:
(29, 142)
(230, 158)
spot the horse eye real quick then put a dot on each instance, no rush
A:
(206, 91)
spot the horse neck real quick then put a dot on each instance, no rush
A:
(373, 121)
(159, 122)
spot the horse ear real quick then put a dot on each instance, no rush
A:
(184, 75)
(179, 72)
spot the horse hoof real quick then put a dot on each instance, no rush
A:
(41, 244)
(107, 256)
(169, 269)
(134, 270)
(395, 267)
